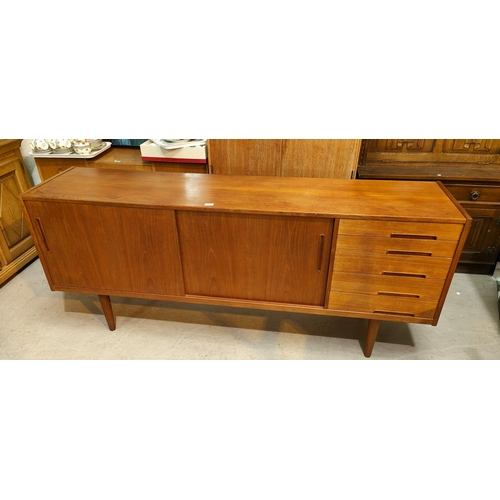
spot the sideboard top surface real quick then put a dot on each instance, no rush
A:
(391, 200)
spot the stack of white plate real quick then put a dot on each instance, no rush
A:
(95, 144)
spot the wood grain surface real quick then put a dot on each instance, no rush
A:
(257, 242)
(432, 248)
(430, 267)
(424, 288)
(251, 257)
(401, 230)
(390, 200)
(333, 158)
(107, 247)
(245, 156)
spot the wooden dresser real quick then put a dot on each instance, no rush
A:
(381, 250)
(16, 244)
(469, 168)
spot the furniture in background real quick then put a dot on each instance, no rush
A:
(123, 158)
(334, 158)
(380, 250)
(469, 168)
(16, 244)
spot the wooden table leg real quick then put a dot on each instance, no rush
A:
(107, 309)
(371, 336)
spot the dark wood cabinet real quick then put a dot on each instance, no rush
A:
(482, 244)
(459, 159)
(469, 168)
(482, 247)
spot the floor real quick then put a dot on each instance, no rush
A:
(37, 323)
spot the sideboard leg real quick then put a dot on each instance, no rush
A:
(107, 309)
(371, 336)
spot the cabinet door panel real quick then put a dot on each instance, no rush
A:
(48, 167)
(401, 145)
(108, 248)
(335, 158)
(251, 257)
(245, 156)
(417, 155)
(15, 238)
(483, 242)
(472, 146)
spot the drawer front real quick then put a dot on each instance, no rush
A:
(401, 230)
(389, 268)
(397, 246)
(470, 193)
(386, 285)
(379, 304)
(410, 265)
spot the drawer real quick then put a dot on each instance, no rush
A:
(401, 230)
(392, 265)
(391, 286)
(395, 246)
(470, 193)
(379, 304)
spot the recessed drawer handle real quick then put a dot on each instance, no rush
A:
(380, 311)
(474, 195)
(414, 236)
(40, 228)
(320, 252)
(408, 252)
(404, 275)
(398, 294)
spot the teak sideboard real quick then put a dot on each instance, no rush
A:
(380, 250)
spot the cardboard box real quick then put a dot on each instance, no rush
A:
(189, 154)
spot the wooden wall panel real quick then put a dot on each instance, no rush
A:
(335, 158)
(245, 156)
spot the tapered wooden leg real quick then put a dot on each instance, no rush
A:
(371, 336)
(107, 309)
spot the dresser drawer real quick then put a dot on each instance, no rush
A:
(395, 286)
(401, 230)
(424, 267)
(379, 304)
(396, 246)
(470, 193)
